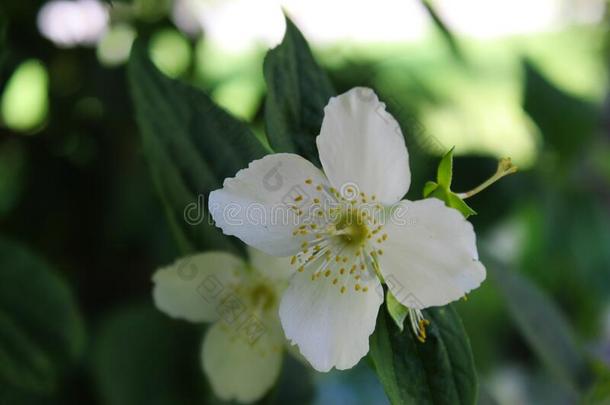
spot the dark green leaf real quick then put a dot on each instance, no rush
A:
(439, 371)
(397, 311)
(298, 89)
(566, 122)
(543, 326)
(294, 386)
(41, 330)
(191, 145)
(599, 394)
(140, 356)
(3, 50)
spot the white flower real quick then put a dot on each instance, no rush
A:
(242, 350)
(348, 231)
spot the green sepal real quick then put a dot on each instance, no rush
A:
(454, 201)
(444, 173)
(397, 311)
(429, 188)
(441, 189)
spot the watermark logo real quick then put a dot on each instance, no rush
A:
(194, 212)
(273, 180)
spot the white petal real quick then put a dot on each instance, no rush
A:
(361, 143)
(272, 268)
(255, 204)
(193, 286)
(331, 328)
(239, 367)
(430, 256)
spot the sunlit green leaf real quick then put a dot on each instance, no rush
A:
(298, 90)
(191, 145)
(41, 330)
(439, 371)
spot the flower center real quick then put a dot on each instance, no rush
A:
(341, 235)
(262, 296)
(352, 228)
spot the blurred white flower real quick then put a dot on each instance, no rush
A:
(349, 231)
(242, 351)
(70, 23)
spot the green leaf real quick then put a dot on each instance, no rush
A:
(41, 329)
(3, 46)
(444, 30)
(599, 394)
(191, 145)
(397, 311)
(298, 89)
(566, 122)
(141, 356)
(439, 371)
(543, 326)
(444, 173)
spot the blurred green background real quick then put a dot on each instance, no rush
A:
(515, 79)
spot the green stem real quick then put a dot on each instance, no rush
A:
(505, 167)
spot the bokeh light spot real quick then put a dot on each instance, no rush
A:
(239, 96)
(72, 23)
(171, 52)
(114, 47)
(25, 100)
